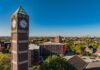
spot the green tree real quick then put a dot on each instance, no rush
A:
(56, 63)
(69, 44)
(5, 62)
(78, 48)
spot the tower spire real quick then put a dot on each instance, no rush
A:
(20, 10)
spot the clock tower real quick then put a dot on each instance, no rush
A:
(19, 39)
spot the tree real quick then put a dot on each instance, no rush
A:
(78, 48)
(69, 44)
(5, 63)
(56, 63)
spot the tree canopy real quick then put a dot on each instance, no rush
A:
(56, 63)
(5, 63)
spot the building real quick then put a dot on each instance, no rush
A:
(2, 48)
(97, 52)
(19, 39)
(50, 48)
(77, 62)
(58, 39)
(93, 66)
(5, 47)
(89, 49)
(34, 55)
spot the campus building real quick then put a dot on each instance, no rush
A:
(50, 48)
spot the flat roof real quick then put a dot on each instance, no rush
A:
(33, 46)
(52, 43)
(93, 66)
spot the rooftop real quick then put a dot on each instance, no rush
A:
(77, 62)
(93, 66)
(33, 46)
(52, 43)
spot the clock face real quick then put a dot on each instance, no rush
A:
(23, 24)
(14, 23)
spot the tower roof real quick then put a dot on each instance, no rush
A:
(20, 10)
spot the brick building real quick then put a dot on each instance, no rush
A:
(50, 48)
(58, 39)
(33, 55)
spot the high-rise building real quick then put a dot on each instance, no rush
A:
(19, 39)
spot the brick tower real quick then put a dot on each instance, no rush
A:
(19, 39)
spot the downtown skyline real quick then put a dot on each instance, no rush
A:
(54, 17)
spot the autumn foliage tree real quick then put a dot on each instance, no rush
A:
(5, 63)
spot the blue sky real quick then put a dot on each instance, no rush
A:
(54, 17)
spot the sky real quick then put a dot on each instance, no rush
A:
(54, 17)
